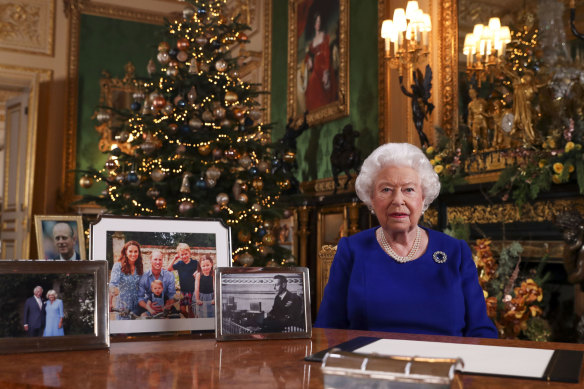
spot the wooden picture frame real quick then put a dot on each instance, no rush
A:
(286, 231)
(51, 246)
(79, 285)
(318, 69)
(246, 299)
(160, 238)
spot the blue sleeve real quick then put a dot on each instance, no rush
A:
(333, 308)
(60, 308)
(478, 324)
(116, 274)
(169, 287)
(143, 288)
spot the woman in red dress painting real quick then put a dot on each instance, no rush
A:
(321, 85)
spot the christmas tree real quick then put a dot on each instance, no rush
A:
(193, 144)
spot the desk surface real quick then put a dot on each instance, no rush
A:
(201, 362)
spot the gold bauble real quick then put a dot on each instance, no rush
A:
(182, 44)
(272, 263)
(289, 157)
(245, 259)
(161, 203)
(204, 150)
(269, 239)
(244, 236)
(231, 97)
(86, 181)
(258, 184)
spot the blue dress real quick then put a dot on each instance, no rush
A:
(128, 285)
(54, 314)
(369, 290)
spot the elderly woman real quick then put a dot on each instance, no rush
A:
(55, 314)
(124, 280)
(400, 277)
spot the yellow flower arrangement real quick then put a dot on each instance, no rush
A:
(433, 162)
(430, 150)
(438, 168)
(556, 179)
(558, 167)
(569, 147)
(542, 163)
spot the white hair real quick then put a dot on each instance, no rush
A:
(51, 292)
(397, 154)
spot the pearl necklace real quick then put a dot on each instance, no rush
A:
(387, 248)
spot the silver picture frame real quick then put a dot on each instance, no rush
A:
(81, 288)
(262, 303)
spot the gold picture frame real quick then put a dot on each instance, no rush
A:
(80, 285)
(50, 249)
(318, 74)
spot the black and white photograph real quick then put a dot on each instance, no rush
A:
(161, 271)
(44, 301)
(263, 303)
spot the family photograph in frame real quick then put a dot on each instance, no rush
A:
(53, 305)
(161, 271)
(318, 60)
(60, 237)
(263, 303)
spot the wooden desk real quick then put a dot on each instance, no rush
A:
(201, 362)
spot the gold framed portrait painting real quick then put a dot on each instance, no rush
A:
(318, 59)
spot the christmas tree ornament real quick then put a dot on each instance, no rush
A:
(116, 152)
(135, 106)
(239, 112)
(204, 150)
(215, 44)
(192, 95)
(178, 98)
(132, 177)
(231, 97)
(171, 71)
(158, 102)
(204, 67)
(148, 146)
(231, 153)
(290, 261)
(254, 171)
(210, 182)
(172, 127)
(268, 224)
(222, 199)
(219, 112)
(120, 178)
(167, 109)
(261, 232)
(185, 129)
(236, 189)
(257, 184)
(127, 196)
(201, 11)
(111, 164)
(152, 192)
(185, 186)
(234, 73)
(181, 149)
(185, 207)
(245, 259)
(289, 157)
(213, 172)
(243, 187)
(207, 116)
(265, 139)
(182, 43)
(163, 46)
(263, 166)
(221, 65)
(243, 236)
(103, 116)
(285, 185)
(216, 208)
(256, 207)
(172, 52)
(201, 41)
(193, 67)
(182, 56)
(245, 161)
(255, 114)
(241, 36)
(181, 104)
(188, 13)
(217, 153)
(163, 57)
(242, 198)
(138, 95)
(151, 67)
(195, 123)
(201, 184)
(122, 136)
(272, 263)
(85, 181)
(157, 175)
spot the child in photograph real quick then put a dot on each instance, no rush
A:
(204, 288)
(185, 266)
(156, 295)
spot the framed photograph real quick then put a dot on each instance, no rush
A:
(318, 55)
(53, 306)
(262, 303)
(60, 237)
(162, 271)
(285, 232)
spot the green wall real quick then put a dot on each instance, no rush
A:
(106, 44)
(315, 145)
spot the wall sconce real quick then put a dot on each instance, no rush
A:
(485, 47)
(406, 36)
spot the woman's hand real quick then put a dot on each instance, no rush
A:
(61, 323)
(212, 302)
(199, 302)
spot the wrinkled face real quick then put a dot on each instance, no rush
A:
(156, 288)
(132, 253)
(279, 286)
(156, 261)
(206, 267)
(64, 242)
(51, 297)
(38, 292)
(185, 255)
(397, 198)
